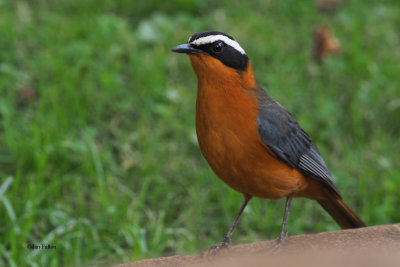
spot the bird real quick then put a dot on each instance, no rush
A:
(251, 141)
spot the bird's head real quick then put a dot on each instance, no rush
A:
(215, 54)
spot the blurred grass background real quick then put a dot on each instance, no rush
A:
(98, 152)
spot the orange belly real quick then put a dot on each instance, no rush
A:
(229, 140)
(247, 167)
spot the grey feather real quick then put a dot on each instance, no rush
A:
(288, 141)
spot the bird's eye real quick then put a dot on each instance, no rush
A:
(217, 47)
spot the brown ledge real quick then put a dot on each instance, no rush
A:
(370, 246)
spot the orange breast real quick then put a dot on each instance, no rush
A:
(226, 114)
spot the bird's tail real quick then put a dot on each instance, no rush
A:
(342, 214)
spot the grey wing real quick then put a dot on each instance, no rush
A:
(284, 136)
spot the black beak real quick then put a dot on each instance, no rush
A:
(186, 48)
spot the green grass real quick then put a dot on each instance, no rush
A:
(104, 162)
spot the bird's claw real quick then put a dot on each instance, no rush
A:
(226, 243)
(280, 241)
(282, 237)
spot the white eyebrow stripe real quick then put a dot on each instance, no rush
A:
(212, 38)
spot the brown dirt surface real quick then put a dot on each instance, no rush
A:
(377, 246)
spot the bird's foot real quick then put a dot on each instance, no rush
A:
(226, 243)
(280, 241)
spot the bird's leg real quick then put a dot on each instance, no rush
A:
(284, 235)
(226, 242)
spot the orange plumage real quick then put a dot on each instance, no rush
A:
(229, 140)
